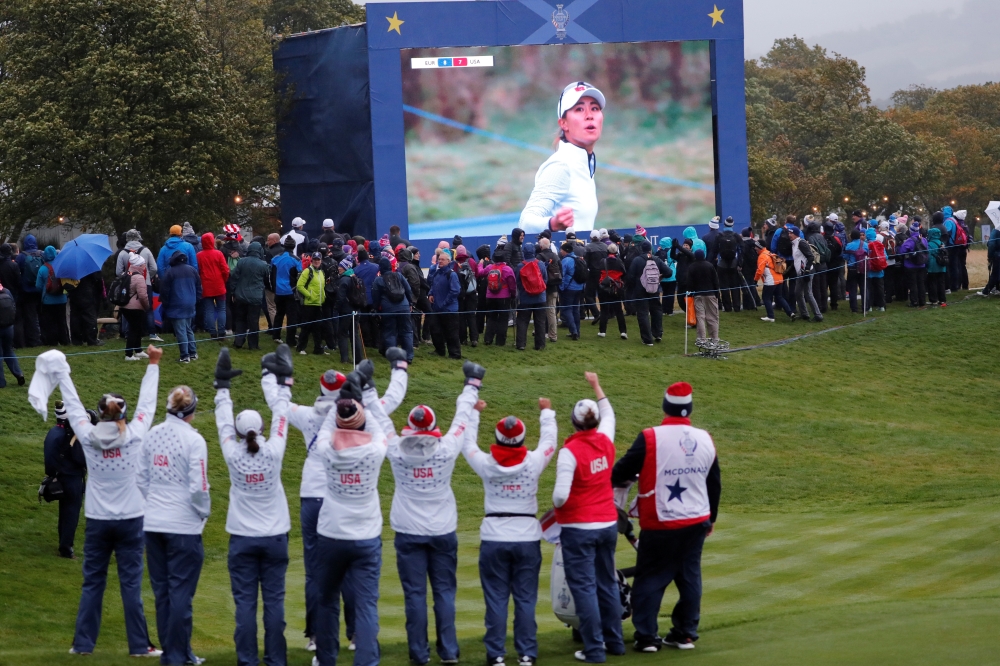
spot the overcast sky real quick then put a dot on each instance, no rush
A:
(940, 43)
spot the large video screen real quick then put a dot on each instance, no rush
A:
(480, 122)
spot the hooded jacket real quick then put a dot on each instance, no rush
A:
(367, 271)
(422, 464)
(933, 243)
(870, 237)
(121, 263)
(664, 253)
(29, 247)
(180, 288)
(284, 273)
(258, 506)
(250, 276)
(512, 489)
(113, 457)
(174, 244)
(352, 460)
(523, 296)
(508, 283)
(212, 267)
(49, 256)
(515, 252)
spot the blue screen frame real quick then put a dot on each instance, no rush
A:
(516, 22)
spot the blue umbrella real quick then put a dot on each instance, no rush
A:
(82, 256)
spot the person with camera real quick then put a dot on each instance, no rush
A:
(66, 464)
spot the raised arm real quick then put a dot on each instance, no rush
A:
(398, 380)
(476, 458)
(464, 405)
(607, 426)
(224, 422)
(145, 407)
(547, 440)
(279, 424)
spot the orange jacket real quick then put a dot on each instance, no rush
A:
(765, 260)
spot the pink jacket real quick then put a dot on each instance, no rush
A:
(509, 284)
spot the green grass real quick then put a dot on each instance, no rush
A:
(859, 518)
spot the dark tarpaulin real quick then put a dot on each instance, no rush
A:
(325, 141)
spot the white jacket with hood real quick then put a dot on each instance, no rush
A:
(352, 459)
(309, 418)
(173, 476)
(423, 503)
(514, 489)
(258, 506)
(113, 457)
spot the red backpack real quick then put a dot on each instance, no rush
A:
(531, 278)
(494, 281)
(961, 238)
(876, 257)
(53, 286)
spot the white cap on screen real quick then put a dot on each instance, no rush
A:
(574, 92)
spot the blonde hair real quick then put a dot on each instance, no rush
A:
(111, 408)
(180, 399)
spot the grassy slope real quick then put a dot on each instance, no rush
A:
(860, 482)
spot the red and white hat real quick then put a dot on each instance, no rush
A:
(232, 231)
(678, 400)
(510, 431)
(422, 418)
(330, 382)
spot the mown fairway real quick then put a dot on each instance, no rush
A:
(859, 519)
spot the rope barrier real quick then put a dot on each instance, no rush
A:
(355, 314)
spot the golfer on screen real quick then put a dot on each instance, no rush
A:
(565, 195)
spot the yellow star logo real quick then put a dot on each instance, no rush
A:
(716, 16)
(394, 23)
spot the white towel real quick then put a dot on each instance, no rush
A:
(48, 368)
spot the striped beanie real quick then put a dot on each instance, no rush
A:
(510, 431)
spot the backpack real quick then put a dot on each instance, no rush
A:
(494, 281)
(780, 265)
(554, 272)
(53, 286)
(580, 271)
(612, 285)
(878, 261)
(961, 238)
(394, 290)
(8, 309)
(31, 265)
(941, 255)
(50, 490)
(860, 264)
(728, 246)
(650, 277)
(466, 278)
(120, 292)
(835, 248)
(821, 251)
(919, 256)
(531, 278)
(356, 296)
(784, 244)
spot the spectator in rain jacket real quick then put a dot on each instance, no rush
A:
(175, 244)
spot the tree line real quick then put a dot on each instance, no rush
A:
(144, 113)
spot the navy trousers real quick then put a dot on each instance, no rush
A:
(589, 560)
(665, 556)
(174, 568)
(124, 539)
(510, 569)
(259, 562)
(417, 559)
(397, 331)
(69, 511)
(308, 517)
(360, 560)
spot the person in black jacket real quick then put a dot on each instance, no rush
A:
(83, 301)
(350, 346)
(703, 282)
(10, 278)
(751, 248)
(611, 289)
(682, 256)
(65, 461)
(649, 309)
(595, 253)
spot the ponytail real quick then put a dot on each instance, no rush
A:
(252, 446)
